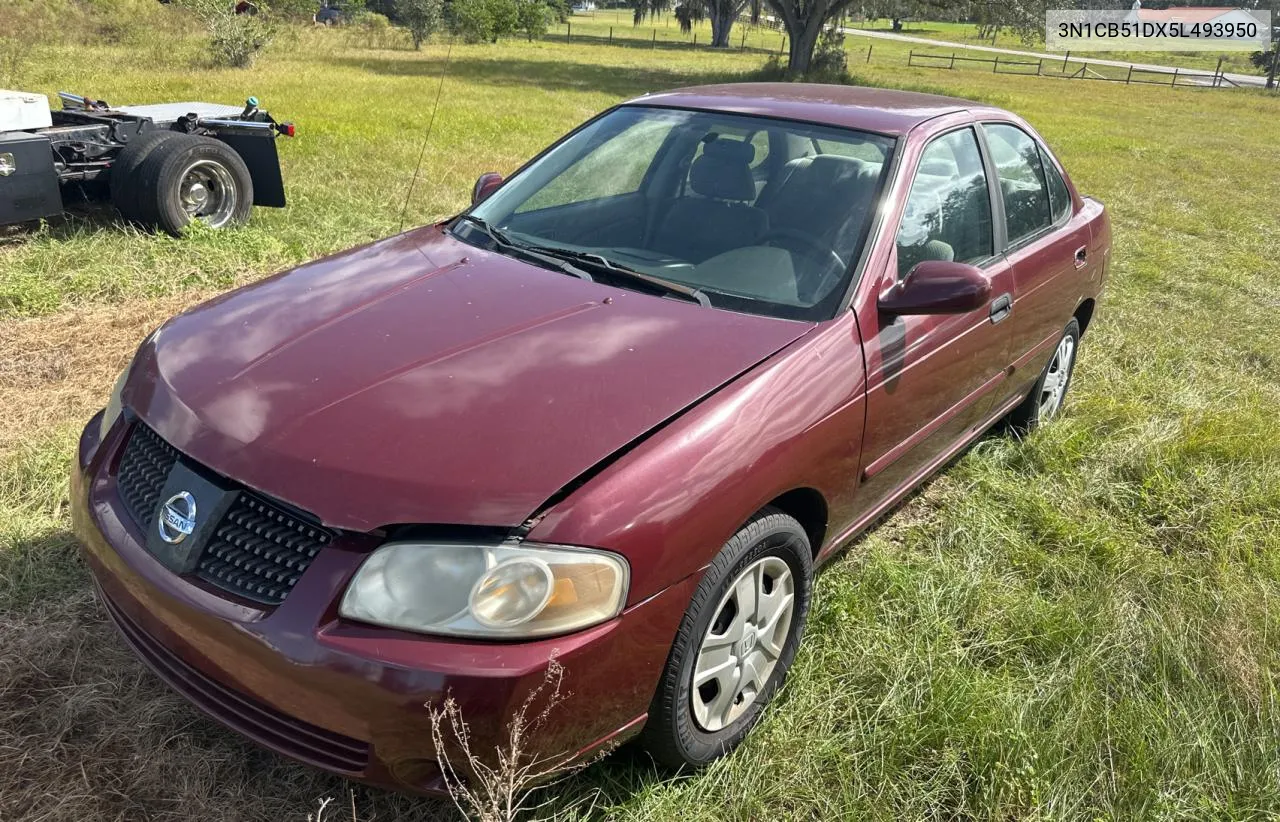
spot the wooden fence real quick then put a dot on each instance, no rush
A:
(1064, 68)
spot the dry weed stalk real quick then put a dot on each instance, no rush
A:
(499, 791)
(319, 815)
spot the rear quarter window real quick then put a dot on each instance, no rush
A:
(1059, 196)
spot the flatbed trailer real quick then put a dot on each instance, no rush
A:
(162, 166)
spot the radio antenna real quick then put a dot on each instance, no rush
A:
(427, 137)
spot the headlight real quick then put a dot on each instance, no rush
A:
(496, 591)
(112, 412)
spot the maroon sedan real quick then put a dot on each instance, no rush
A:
(619, 411)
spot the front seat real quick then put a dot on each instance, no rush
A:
(825, 198)
(821, 196)
(718, 218)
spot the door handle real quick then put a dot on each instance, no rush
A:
(1082, 256)
(1001, 307)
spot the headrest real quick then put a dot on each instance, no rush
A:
(837, 167)
(938, 250)
(723, 172)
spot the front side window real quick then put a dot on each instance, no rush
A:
(948, 211)
(1026, 197)
(738, 207)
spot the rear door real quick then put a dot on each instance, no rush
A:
(1048, 243)
(930, 378)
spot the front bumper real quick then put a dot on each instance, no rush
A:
(348, 698)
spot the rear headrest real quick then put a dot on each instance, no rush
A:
(723, 172)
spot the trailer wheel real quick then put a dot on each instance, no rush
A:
(123, 179)
(193, 178)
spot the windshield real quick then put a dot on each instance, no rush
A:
(749, 213)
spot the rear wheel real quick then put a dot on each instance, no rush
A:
(123, 179)
(735, 644)
(194, 178)
(1050, 391)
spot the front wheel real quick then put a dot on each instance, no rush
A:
(1050, 390)
(735, 644)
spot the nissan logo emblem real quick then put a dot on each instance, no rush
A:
(177, 517)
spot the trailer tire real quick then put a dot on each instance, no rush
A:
(194, 177)
(123, 180)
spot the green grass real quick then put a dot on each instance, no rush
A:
(1233, 61)
(1081, 625)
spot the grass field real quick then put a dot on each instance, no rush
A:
(1083, 625)
(1233, 62)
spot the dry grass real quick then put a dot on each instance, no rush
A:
(59, 368)
(89, 734)
(499, 785)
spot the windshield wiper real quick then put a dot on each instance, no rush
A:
(503, 240)
(603, 263)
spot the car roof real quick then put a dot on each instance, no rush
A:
(885, 111)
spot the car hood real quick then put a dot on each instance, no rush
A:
(422, 380)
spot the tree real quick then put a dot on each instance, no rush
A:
(479, 21)
(420, 17)
(534, 16)
(804, 21)
(721, 13)
(1024, 18)
(234, 38)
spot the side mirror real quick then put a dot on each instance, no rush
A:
(938, 287)
(486, 185)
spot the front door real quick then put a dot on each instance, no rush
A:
(931, 378)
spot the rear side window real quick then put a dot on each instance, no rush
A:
(1059, 197)
(868, 151)
(1026, 197)
(948, 212)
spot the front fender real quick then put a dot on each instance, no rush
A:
(669, 504)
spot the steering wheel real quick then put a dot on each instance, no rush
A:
(821, 253)
(813, 247)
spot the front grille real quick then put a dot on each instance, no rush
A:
(144, 467)
(243, 714)
(259, 551)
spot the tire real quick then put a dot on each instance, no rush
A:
(171, 166)
(687, 727)
(123, 179)
(1050, 391)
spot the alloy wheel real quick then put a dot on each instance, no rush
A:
(1054, 387)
